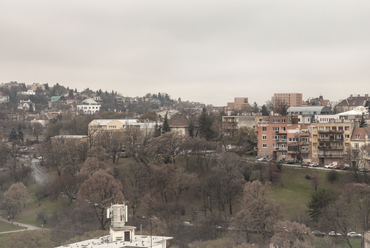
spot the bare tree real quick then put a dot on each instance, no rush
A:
(291, 235)
(36, 129)
(14, 198)
(259, 211)
(164, 148)
(98, 192)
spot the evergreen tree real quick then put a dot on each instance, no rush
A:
(31, 109)
(166, 127)
(256, 109)
(265, 111)
(191, 129)
(20, 133)
(13, 135)
(70, 94)
(363, 122)
(205, 125)
(157, 130)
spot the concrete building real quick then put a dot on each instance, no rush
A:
(27, 93)
(309, 110)
(240, 103)
(3, 98)
(287, 100)
(121, 235)
(331, 141)
(233, 123)
(281, 137)
(352, 102)
(88, 107)
(35, 86)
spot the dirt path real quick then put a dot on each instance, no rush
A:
(28, 227)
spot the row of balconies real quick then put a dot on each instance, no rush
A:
(331, 131)
(330, 140)
(330, 156)
(331, 147)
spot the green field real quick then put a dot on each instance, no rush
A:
(293, 190)
(5, 227)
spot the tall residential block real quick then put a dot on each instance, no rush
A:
(287, 100)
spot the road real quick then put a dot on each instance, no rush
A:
(39, 176)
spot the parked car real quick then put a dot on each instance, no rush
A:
(262, 159)
(289, 161)
(333, 234)
(329, 166)
(338, 167)
(354, 235)
(280, 161)
(345, 168)
(314, 164)
(317, 233)
(364, 170)
(306, 164)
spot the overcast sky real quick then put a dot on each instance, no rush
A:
(207, 51)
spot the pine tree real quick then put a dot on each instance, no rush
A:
(166, 127)
(205, 125)
(20, 133)
(157, 130)
(363, 122)
(265, 111)
(13, 135)
(31, 109)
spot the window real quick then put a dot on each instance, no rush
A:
(283, 120)
(304, 148)
(275, 129)
(321, 136)
(346, 145)
(357, 136)
(340, 153)
(292, 139)
(321, 128)
(327, 128)
(283, 145)
(275, 145)
(340, 144)
(304, 139)
(283, 128)
(339, 136)
(275, 137)
(264, 129)
(357, 145)
(321, 152)
(264, 137)
(264, 145)
(283, 153)
(283, 137)
(346, 136)
(315, 136)
(340, 128)
(314, 128)
(346, 128)
(314, 152)
(275, 121)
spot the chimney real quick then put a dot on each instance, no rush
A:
(367, 96)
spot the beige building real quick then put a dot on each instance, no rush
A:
(287, 100)
(239, 103)
(35, 86)
(331, 141)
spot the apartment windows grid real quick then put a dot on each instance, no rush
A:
(264, 129)
(283, 145)
(275, 129)
(275, 137)
(264, 145)
(275, 120)
(264, 137)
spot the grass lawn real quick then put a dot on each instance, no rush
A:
(5, 227)
(4, 239)
(293, 191)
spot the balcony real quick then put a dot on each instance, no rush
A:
(281, 141)
(323, 140)
(280, 132)
(331, 131)
(330, 147)
(330, 156)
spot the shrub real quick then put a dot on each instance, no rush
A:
(307, 177)
(332, 176)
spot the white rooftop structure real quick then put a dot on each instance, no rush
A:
(89, 106)
(121, 235)
(358, 111)
(124, 122)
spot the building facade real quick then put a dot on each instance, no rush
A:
(239, 103)
(287, 100)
